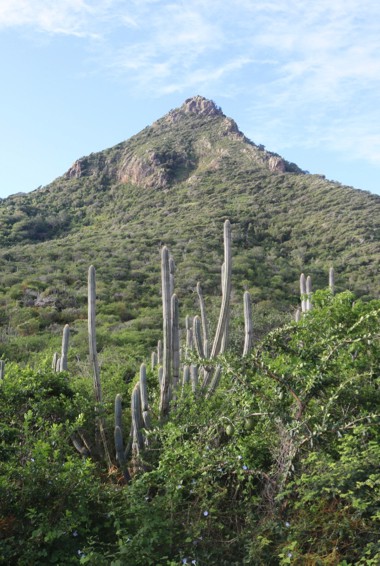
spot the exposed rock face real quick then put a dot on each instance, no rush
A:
(277, 164)
(75, 170)
(147, 172)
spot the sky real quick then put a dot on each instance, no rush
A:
(78, 76)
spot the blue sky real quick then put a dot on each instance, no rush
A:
(78, 76)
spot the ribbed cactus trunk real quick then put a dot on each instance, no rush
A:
(144, 397)
(175, 340)
(197, 337)
(153, 360)
(54, 361)
(297, 315)
(332, 280)
(308, 293)
(94, 357)
(189, 336)
(159, 352)
(65, 348)
(185, 376)
(167, 342)
(204, 321)
(226, 333)
(137, 425)
(2, 369)
(92, 333)
(194, 377)
(118, 438)
(226, 292)
(303, 292)
(248, 328)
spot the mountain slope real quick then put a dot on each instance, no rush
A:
(175, 183)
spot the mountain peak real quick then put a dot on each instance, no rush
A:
(201, 106)
(194, 106)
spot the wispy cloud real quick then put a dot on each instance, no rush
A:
(308, 71)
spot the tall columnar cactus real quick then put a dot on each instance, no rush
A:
(167, 346)
(194, 377)
(308, 293)
(94, 357)
(204, 321)
(331, 279)
(197, 336)
(303, 292)
(172, 272)
(144, 397)
(137, 421)
(118, 438)
(248, 340)
(65, 347)
(175, 340)
(297, 315)
(92, 333)
(2, 369)
(219, 343)
(159, 352)
(226, 292)
(153, 360)
(226, 333)
(189, 336)
(54, 361)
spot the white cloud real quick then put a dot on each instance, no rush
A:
(311, 69)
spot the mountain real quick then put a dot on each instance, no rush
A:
(174, 183)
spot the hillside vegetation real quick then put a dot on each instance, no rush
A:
(270, 457)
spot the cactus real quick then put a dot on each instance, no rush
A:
(2, 369)
(94, 357)
(118, 438)
(197, 335)
(175, 339)
(297, 315)
(92, 333)
(204, 320)
(189, 336)
(226, 292)
(58, 364)
(159, 352)
(171, 276)
(303, 292)
(54, 361)
(144, 397)
(137, 421)
(194, 377)
(247, 324)
(153, 360)
(65, 348)
(308, 293)
(160, 372)
(167, 347)
(331, 279)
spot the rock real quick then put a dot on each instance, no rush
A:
(276, 164)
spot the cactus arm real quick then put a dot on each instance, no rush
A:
(332, 279)
(224, 310)
(167, 346)
(198, 337)
(204, 320)
(175, 339)
(247, 324)
(303, 292)
(65, 348)
(92, 333)
(308, 293)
